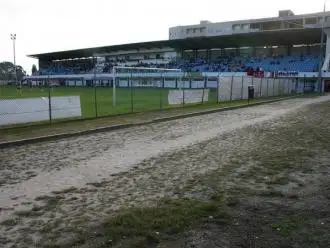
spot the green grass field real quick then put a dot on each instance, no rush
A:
(98, 101)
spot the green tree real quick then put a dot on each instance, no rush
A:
(7, 71)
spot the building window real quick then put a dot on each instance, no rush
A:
(310, 21)
(236, 26)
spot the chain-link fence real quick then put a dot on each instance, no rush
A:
(52, 100)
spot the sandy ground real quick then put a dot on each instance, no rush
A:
(55, 187)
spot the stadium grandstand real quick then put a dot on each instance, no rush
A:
(287, 45)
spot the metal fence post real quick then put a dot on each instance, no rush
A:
(267, 88)
(95, 93)
(161, 93)
(242, 92)
(231, 88)
(183, 84)
(95, 98)
(217, 88)
(260, 88)
(49, 103)
(204, 88)
(130, 82)
(273, 87)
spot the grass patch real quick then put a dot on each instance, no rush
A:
(171, 216)
(271, 193)
(289, 224)
(98, 102)
(145, 226)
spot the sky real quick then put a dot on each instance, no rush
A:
(47, 26)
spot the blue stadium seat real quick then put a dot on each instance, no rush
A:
(299, 63)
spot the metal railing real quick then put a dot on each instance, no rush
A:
(48, 101)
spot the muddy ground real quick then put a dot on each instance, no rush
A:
(263, 173)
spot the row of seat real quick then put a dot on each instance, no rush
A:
(301, 63)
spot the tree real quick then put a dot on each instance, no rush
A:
(34, 69)
(7, 71)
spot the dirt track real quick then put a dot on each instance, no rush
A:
(94, 175)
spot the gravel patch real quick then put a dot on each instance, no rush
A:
(72, 181)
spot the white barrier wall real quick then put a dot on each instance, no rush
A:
(212, 84)
(168, 83)
(246, 82)
(270, 87)
(184, 84)
(235, 88)
(257, 83)
(176, 97)
(225, 84)
(197, 84)
(16, 111)
(70, 82)
(123, 83)
(264, 88)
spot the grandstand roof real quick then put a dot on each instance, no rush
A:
(270, 38)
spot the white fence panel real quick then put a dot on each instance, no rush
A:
(257, 87)
(264, 87)
(237, 92)
(224, 88)
(271, 87)
(184, 84)
(276, 87)
(123, 83)
(197, 84)
(17, 111)
(211, 83)
(176, 97)
(169, 83)
(247, 81)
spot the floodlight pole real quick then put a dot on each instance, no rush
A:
(13, 38)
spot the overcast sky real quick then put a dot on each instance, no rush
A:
(46, 26)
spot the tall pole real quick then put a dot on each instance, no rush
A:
(321, 52)
(13, 38)
(95, 93)
(114, 86)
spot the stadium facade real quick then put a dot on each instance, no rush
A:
(288, 45)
